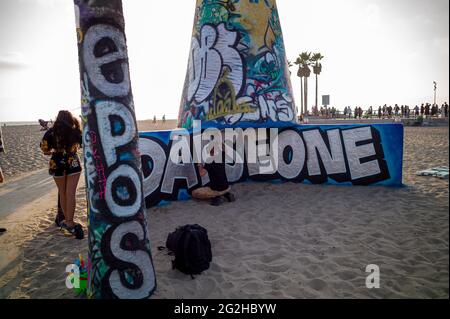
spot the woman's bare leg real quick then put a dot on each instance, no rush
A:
(71, 189)
(61, 184)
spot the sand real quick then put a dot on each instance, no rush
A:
(23, 154)
(275, 241)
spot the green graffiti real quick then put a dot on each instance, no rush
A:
(215, 12)
(264, 94)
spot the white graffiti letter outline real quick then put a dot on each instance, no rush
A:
(209, 55)
(93, 64)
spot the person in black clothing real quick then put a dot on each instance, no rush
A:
(396, 110)
(218, 185)
(62, 142)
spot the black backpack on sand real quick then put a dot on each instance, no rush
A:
(192, 249)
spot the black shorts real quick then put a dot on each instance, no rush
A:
(64, 164)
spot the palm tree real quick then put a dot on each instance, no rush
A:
(299, 74)
(304, 72)
(317, 69)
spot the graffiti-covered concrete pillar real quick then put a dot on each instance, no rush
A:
(120, 263)
(237, 70)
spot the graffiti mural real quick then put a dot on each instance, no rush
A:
(120, 263)
(340, 155)
(237, 71)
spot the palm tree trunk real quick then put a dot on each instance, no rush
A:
(317, 91)
(306, 95)
(301, 83)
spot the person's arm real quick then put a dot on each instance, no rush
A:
(202, 170)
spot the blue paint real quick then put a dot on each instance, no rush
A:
(183, 195)
(117, 127)
(126, 156)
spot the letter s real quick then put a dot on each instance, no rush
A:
(140, 258)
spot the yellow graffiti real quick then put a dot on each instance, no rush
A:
(225, 104)
(80, 35)
(269, 37)
(252, 19)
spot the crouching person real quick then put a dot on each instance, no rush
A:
(218, 186)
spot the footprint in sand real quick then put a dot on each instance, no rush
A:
(267, 259)
(346, 275)
(317, 284)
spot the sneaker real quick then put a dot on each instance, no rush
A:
(76, 230)
(230, 197)
(79, 233)
(216, 201)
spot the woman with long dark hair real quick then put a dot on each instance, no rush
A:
(62, 142)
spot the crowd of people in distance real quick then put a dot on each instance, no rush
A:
(426, 110)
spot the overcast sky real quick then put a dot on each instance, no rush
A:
(376, 52)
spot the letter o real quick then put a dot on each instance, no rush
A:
(293, 140)
(129, 179)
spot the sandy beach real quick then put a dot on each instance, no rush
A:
(276, 241)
